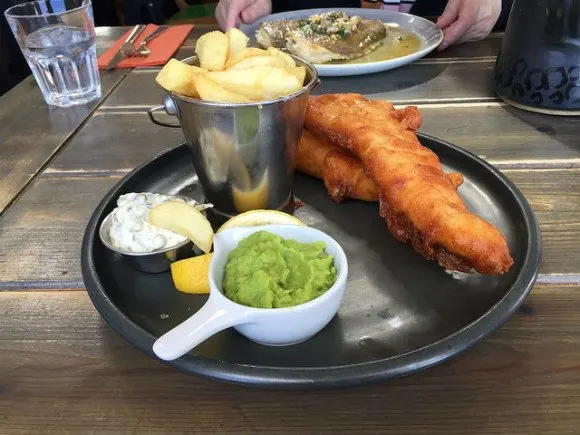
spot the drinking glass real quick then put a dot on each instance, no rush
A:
(57, 38)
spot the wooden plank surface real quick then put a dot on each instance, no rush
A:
(416, 83)
(504, 136)
(51, 217)
(33, 256)
(419, 83)
(31, 132)
(63, 370)
(487, 48)
(116, 142)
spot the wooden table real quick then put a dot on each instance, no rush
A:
(63, 370)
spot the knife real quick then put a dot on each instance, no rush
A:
(120, 55)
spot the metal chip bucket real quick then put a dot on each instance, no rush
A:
(244, 154)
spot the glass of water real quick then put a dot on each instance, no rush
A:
(57, 38)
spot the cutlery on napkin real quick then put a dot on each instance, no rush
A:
(162, 48)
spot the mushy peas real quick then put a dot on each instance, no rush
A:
(267, 271)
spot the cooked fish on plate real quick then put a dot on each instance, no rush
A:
(347, 41)
(325, 37)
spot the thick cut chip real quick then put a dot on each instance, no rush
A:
(253, 61)
(280, 82)
(237, 41)
(245, 53)
(178, 77)
(211, 91)
(299, 72)
(212, 50)
(237, 73)
(258, 83)
(279, 53)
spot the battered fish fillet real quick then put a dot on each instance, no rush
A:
(417, 199)
(343, 174)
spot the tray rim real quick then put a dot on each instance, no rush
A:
(321, 377)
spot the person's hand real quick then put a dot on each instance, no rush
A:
(230, 13)
(468, 20)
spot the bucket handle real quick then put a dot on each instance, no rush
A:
(151, 112)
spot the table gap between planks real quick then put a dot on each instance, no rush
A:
(66, 370)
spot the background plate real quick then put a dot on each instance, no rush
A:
(431, 36)
(400, 313)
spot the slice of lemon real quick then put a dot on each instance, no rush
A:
(184, 219)
(255, 218)
(191, 275)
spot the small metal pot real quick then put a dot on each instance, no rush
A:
(244, 154)
(151, 262)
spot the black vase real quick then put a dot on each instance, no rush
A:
(538, 67)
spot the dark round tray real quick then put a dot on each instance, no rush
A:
(401, 313)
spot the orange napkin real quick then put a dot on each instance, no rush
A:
(162, 47)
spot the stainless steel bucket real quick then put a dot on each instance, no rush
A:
(244, 154)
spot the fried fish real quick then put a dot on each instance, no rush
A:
(343, 174)
(417, 198)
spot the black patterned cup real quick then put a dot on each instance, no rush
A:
(538, 67)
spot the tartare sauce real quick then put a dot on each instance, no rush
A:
(130, 228)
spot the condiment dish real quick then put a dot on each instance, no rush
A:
(151, 262)
(268, 326)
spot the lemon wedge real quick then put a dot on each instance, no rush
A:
(255, 218)
(191, 275)
(184, 219)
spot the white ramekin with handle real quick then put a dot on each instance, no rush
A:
(268, 326)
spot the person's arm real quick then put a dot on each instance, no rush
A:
(230, 13)
(468, 20)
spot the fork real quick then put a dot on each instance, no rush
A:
(128, 48)
(143, 50)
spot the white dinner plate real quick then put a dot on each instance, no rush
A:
(430, 35)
